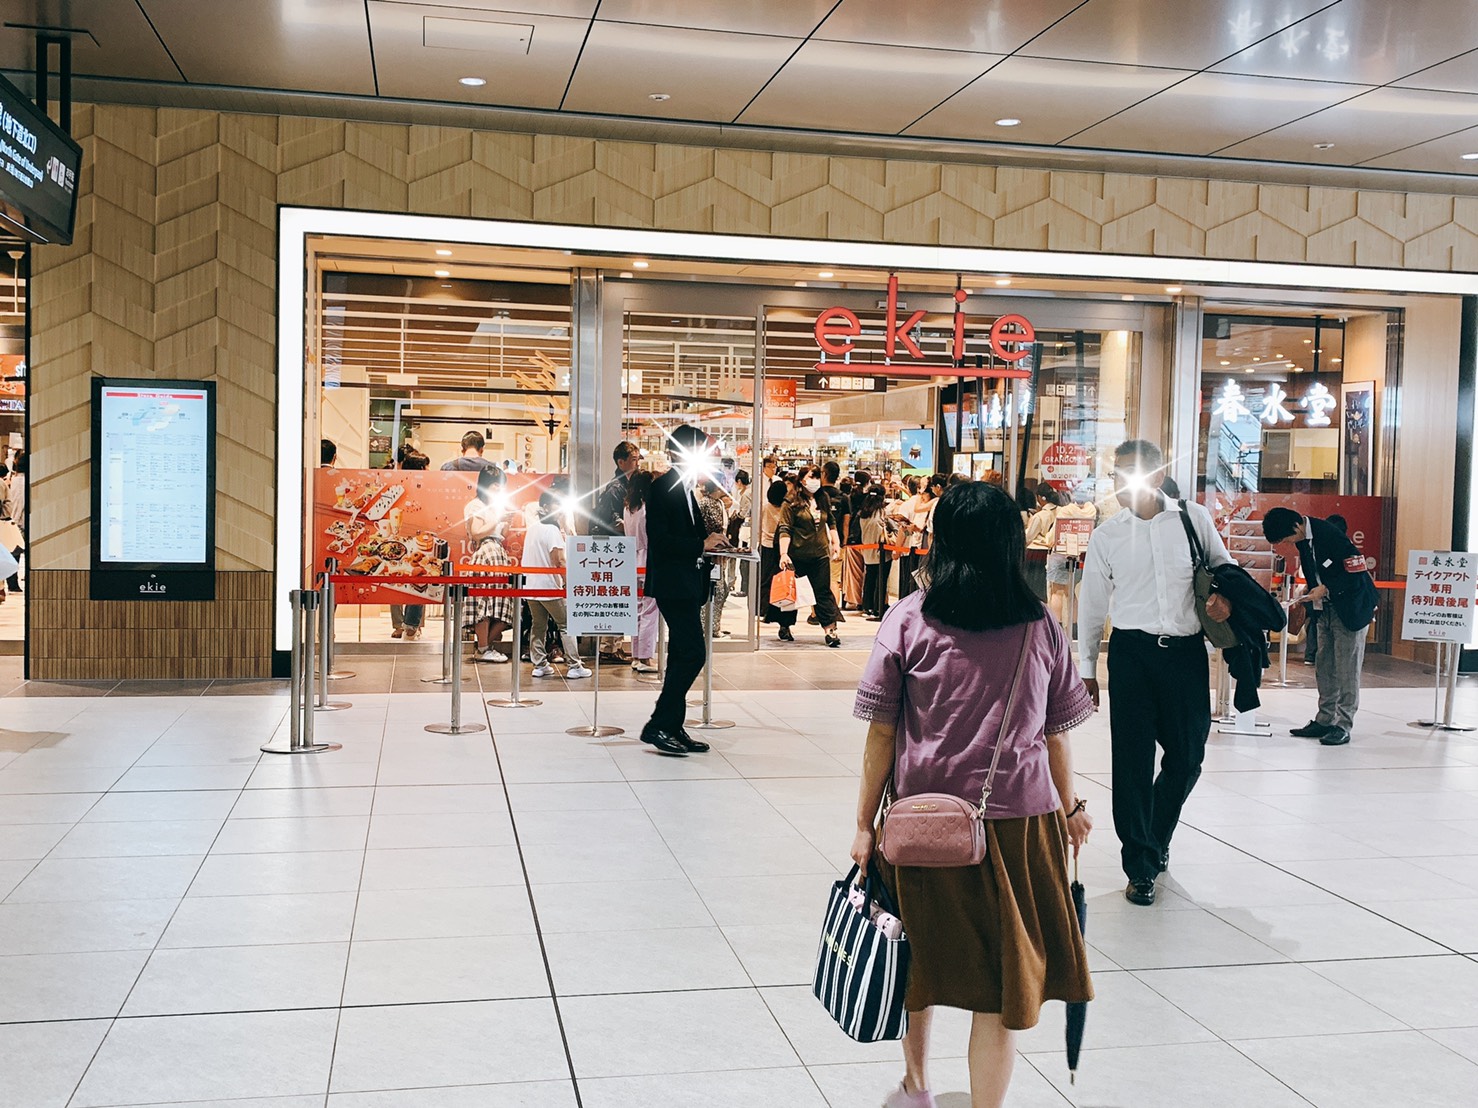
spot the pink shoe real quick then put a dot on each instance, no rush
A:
(902, 1098)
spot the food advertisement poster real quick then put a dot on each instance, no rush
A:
(402, 524)
(1363, 516)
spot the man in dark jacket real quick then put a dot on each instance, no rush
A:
(610, 502)
(678, 579)
(1342, 599)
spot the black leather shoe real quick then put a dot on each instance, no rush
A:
(1335, 736)
(1141, 892)
(1311, 730)
(669, 744)
(692, 745)
(833, 640)
(813, 621)
(786, 635)
(1164, 860)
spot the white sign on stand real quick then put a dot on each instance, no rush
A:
(600, 585)
(1441, 595)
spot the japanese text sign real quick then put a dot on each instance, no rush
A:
(1441, 588)
(1073, 536)
(600, 585)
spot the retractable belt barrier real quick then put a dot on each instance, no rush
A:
(305, 605)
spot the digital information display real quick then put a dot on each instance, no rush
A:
(39, 171)
(153, 489)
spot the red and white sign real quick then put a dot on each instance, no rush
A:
(1441, 595)
(1065, 465)
(780, 395)
(1073, 536)
(1009, 340)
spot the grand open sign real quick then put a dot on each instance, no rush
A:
(1008, 340)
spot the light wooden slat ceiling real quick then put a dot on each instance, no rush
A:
(1372, 83)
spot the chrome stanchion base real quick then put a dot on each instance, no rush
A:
(1458, 727)
(332, 706)
(591, 731)
(341, 674)
(316, 748)
(449, 729)
(443, 680)
(509, 702)
(711, 725)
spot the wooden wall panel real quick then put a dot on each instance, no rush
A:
(173, 270)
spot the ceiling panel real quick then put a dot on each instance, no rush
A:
(408, 68)
(844, 86)
(1365, 41)
(122, 44)
(990, 26)
(792, 18)
(575, 9)
(295, 45)
(1047, 96)
(1459, 74)
(1365, 127)
(1441, 155)
(1213, 110)
(709, 75)
(1177, 36)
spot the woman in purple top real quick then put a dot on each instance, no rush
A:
(999, 938)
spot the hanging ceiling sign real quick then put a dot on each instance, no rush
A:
(39, 168)
(1009, 340)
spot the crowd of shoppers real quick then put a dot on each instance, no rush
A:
(13, 483)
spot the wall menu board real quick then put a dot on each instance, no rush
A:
(40, 168)
(153, 489)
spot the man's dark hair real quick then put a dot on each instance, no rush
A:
(1340, 522)
(830, 472)
(1146, 454)
(742, 477)
(414, 459)
(1279, 523)
(976, 579)
(473, 440)
(776, 493)
(863, 479)
(688, 437)
(624, 450)
(549, 505)
(327, 452)
(770, 460)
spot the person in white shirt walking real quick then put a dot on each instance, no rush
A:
(1138, 573)
(544, 545)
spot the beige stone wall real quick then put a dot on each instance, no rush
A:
(173, 270)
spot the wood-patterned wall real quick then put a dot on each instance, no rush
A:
(173, 270)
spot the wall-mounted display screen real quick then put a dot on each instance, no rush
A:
(153, 486)
(40, 168)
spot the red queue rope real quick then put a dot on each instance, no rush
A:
(339, 579)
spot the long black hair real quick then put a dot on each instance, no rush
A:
(976, 581)
(637, 489)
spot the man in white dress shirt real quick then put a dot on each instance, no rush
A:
(1138, 573)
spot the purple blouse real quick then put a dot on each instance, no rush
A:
(946, 690)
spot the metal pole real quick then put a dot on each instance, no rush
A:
(300, 726)
(656, 678)
(1454, 656)
(454, 596)
(325, 650)
(513, 700)
(1072, 600)
(708, 723)
(593, 729)
(331, 611)
(1287, 602)
(448, 636)
(1436, 720)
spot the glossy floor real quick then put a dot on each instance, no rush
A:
(525, 918)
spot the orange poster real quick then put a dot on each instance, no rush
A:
(405, 524)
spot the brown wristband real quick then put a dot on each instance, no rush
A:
(1080, 806)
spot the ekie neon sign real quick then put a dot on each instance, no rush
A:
(1009, 340)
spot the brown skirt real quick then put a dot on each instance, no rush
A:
(998, 937)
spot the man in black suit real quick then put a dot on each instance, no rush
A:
(678, 579)
(1342, 600)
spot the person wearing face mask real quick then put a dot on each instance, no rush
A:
(808, 544)
(1139, 574)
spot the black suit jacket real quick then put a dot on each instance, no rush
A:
(1330, 559)
(675, 566)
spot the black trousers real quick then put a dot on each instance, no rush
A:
(907, 566)
(1159, 696)
(685, 658)
(875, 585)
(818, 572)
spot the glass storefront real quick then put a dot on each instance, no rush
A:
(13, 381)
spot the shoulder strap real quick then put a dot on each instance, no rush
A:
(995, 759)
(1198, 552)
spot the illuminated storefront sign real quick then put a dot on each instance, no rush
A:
(1233, 405)
(1009, 340)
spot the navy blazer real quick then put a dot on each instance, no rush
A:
(676, 569)
(1330, 559)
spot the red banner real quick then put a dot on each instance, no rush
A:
(1363, 514)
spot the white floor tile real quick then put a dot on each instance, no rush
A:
(303, 872)
(120, 807)
(619, 906)
(42, 1062)
(295, 803)
(1328, 932)
(139, 839)
(441, 868)
(537, 1094)
(438, 799)
(84, 986)
(1208, 1075)
(443, 913)
(793, 1088)
(1421, 992)
(436, 829)
(47, 807)
(30, 841)
(622, 961)
(426, 971)
(71, 927)
(261, 919)
(292, 834)
(197, 980)
(88, 879)
(1368, 1071)
(1159, 940)
(585, 860)
(1124, 1012)
(242, 1055)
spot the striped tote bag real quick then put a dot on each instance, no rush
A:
(862, 962)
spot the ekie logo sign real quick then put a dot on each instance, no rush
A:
(1009, 340)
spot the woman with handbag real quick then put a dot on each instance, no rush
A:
(808, 544)
(971, 692)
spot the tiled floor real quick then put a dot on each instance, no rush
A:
(525, 919)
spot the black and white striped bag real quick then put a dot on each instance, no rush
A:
(862, 972)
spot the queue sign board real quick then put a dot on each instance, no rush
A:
(600, 585)
(1441, 594)
(40, 167)
(153, 490)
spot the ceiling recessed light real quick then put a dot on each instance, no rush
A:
(472, 82)
(1003, 281)
(659, 96)
(1470, 157)
(640, 265)
(1336, 361)
(1255, 358)
(1277, 355)
(1226, 363)
(800, 284)
(1247, 370)
(1008, 122)
(1172, 289)
(1127, 296)
(443, 273)
(1323, 146)
(443, 253)
(1308, 342)
(825, 274)
(626, 275)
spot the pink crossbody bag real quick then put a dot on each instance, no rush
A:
(939, 829)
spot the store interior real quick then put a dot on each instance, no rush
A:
(12, 432)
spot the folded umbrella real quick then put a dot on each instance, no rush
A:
(1077, 1012)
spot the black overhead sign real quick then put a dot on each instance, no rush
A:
(844, 382)
(39, 170)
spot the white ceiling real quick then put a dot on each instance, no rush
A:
(1392, 84)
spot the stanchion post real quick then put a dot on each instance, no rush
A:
(325, 650)
(657, 678)
(1072, 601)
(454, 597)
(1436, 720)
(450, 637)
(1454, 663)
(593, 729)
(707, 722)
(515, 655)
(300, 682)
(330, 613)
